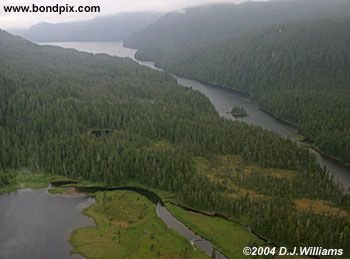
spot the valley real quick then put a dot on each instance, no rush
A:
(218, 130)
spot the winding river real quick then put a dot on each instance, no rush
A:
(223, 99)
(163, 213)
(36, 224)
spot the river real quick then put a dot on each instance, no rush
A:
(223, 99)
(35, 224)
(163, 213)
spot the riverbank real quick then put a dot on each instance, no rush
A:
(30, 180)
(306, 141)
(229, 237)
(271, 189)
(131, 213)
(340, 171)
(127, 226)
(279, 119)
(36, 223)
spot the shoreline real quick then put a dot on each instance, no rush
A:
(251, 98)
(145, 191)
(40, 184)
(150, 195)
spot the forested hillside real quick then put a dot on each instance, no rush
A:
(225, 21)
(299, 71)
(106, 28)
(110, 120)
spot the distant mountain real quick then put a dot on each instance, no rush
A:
(108, 28)
(299, 71)
(223, 21)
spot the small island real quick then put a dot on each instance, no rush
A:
(238, 112)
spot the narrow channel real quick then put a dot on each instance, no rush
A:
(162, 212)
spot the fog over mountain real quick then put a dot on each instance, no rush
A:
(115, 27)
(299, 71)
(230, 120)
(199, 23)
(224, 21)
(108, 7)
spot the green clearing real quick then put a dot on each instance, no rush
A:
(227, 236)
(58, 190)
(29, 181)
(230, 165)
(228, 171)
(127, 226)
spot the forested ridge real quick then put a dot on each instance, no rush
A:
(110, 120)
(215, 22)
(116, 27)
(299, 71)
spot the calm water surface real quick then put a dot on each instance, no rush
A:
(222, 98)
(35, 224)
(179, 227)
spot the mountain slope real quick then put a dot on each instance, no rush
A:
(111, 120)
(299, 71)
(108, 28)
(223, 21)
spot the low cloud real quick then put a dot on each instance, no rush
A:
(21, 20)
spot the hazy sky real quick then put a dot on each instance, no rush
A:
(21, 20)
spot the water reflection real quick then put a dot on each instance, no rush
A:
(35, 224)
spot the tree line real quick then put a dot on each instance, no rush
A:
(298, 71)
(110, 120)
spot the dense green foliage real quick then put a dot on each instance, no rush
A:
(298, 71)
(5, 178)
(127, 226)
(54, 101)
(106, 28)
(219, 231)
(224, 21)
(238, 111)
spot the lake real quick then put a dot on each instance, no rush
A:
(35, 224)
